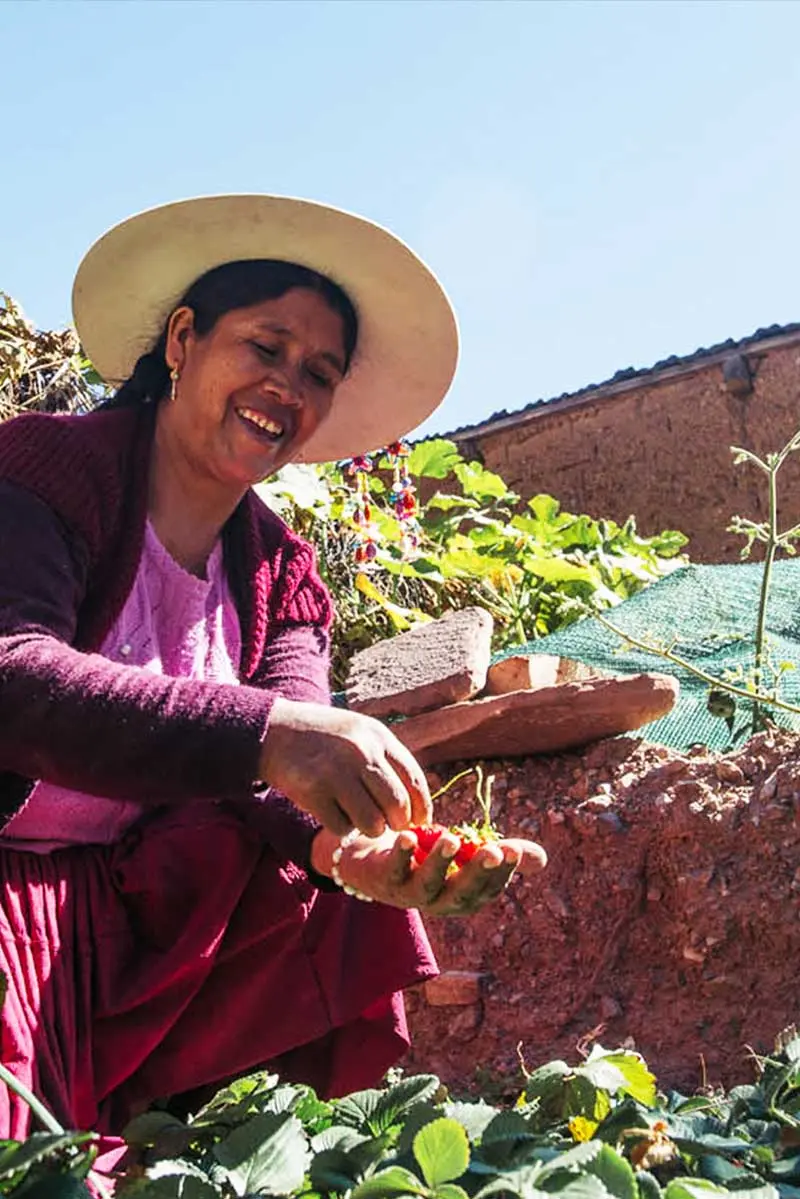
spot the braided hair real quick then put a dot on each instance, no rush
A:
(220, 290)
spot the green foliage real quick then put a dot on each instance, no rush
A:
(534, 567)
(597, 1130)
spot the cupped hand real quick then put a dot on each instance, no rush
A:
(384, 869)
(347, 770)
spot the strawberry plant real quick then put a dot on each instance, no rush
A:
(599, 1129)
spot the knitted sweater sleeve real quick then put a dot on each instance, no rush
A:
(81, 721)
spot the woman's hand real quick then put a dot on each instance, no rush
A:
(347, 770)
(384, 870)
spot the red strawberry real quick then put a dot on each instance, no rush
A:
(467, 852)
(427, 836)
(472, 839)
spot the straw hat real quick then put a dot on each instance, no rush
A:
(136, 274)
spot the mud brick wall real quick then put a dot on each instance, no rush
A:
(659, 447)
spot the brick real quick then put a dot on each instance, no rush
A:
(433, 665)
(454, 988)
(522, 672)
(527, 672)
(549, 720)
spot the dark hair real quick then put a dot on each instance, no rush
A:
(233, 285)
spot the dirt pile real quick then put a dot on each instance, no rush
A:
(667, 918)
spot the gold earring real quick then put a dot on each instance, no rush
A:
(174, 375)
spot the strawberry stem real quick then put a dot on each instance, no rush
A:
(483, 792)
(462, 775)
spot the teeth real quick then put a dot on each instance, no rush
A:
(263, 422)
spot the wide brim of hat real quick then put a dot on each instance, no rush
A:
(134, 276)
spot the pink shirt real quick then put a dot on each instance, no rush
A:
(172, 624)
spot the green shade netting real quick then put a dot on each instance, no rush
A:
(708, 615)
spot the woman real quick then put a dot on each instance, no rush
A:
(191, 832)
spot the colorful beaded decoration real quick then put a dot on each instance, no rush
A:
(358, 469)
(403, 497)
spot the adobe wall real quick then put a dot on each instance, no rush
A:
(659, 448)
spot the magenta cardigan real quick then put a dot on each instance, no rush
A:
(73, 497)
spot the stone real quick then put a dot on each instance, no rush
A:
(440, 663)
(454, 988)
(527, 672)
(548, 720)
(729, 772)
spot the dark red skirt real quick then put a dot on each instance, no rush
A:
(186, 954)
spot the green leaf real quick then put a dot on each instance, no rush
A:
(449, 1190)
(694, 1188)
(333, 1170)
(299, 485)
(545, 508)
(267, 1154)
(358, 1109)
(621, 1071)
(615, 1173)
(393, 1183)
(507, 1141)
(505, 1126)
(474, 1117)
(560, 570)
(39, 1145)
(55, 1186)
(649, 1186)
(479, 483)
(434, 459)
(442, 1150)
(148, 1128)
(763, 1192)
(173, 1180)
(585, 1187)
(575, 1158)
(446, 503)
(520, 1183)
(235, 1102)
(401, 1097)
(337, 1136)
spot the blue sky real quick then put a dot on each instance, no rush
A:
(598, 184)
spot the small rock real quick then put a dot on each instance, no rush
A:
(440, 663)
(454, 988)
(729, 772)
(668, 770)
(599, 802)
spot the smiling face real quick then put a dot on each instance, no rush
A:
(251, 392)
